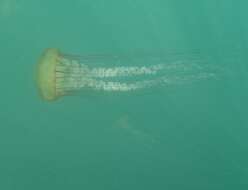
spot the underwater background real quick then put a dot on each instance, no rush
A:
(188, 136)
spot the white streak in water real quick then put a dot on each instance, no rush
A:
(76, 76)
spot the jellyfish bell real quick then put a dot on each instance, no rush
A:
(46, 74)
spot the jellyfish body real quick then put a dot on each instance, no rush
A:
(60, 74)
(46, 74)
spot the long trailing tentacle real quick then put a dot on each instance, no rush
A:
(75, 75)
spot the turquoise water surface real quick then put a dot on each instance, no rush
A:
(189, 135)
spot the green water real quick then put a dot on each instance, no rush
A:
(178, 137)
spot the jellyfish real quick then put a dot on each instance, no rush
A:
(60, 74)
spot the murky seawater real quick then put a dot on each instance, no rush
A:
(159, 95)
